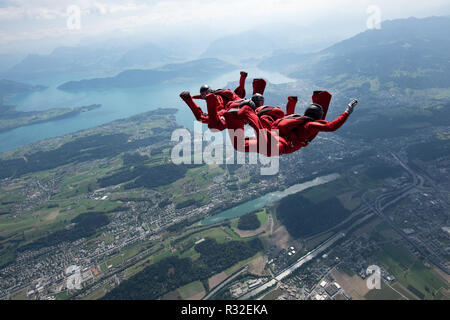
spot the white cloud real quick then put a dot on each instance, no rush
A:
(33, 19)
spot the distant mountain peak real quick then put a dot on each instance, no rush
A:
(404, 53)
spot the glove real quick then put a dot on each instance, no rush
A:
(351, 106)
(243, 73)
(293, 98)
(185, 94)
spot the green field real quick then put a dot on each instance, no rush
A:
(385, 293)
(411, 272)
(262, 217)
(240, 264)
(191, 289)
(62, 296)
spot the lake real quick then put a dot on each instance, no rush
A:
(116, 104)
(266, 200)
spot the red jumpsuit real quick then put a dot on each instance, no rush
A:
(225, 96)
(233, 117)
(300, 137)
(268, 115)
(294, 134)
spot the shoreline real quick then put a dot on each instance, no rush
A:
(66, 113)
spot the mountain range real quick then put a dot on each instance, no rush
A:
(404, 53)
(196, 69)
(87, 60)
(10, 88)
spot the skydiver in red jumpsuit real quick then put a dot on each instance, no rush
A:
(224, 96)
(268, 115)
(295, 131)
(235, 114)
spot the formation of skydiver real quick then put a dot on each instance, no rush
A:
(276, 132)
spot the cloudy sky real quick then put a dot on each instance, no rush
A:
(50, 23)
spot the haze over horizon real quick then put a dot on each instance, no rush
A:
(99, 198)
(44, 25)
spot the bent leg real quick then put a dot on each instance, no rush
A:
(259, 85)
(248, 114)
(266, 121)
(238, 139)
(265, 143)
(242, 143)
(240, 90)
(322, 98)
(290, 106)
(212, 104)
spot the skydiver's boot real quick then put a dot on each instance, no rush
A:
(196, 110)
(322, 98)
(240, 90)
(259, 85)
(290, 106)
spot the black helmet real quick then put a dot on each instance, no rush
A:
(204, 90)
(249, 103)
(258, 99)
(314, 111)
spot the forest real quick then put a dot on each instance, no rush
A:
(145, 176)
(220, 256)
(249, 221)
(430, 150)
(157, 280)
(171, 273)
(303, 218)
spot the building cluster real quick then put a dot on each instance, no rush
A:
(422, 219)
(240, 288)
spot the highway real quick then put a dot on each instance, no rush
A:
(308, 257)
(221, 285)
(382, 202)
(379, 207)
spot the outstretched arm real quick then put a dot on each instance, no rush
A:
(328, 126)
(335, 124)
(196, 110)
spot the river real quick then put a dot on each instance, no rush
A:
(266, 200)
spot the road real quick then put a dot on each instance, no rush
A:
(382, 202)
(228, 280)
(306, 258)
(380, 205)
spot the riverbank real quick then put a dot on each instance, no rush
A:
(266, 200)
(11, 119)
